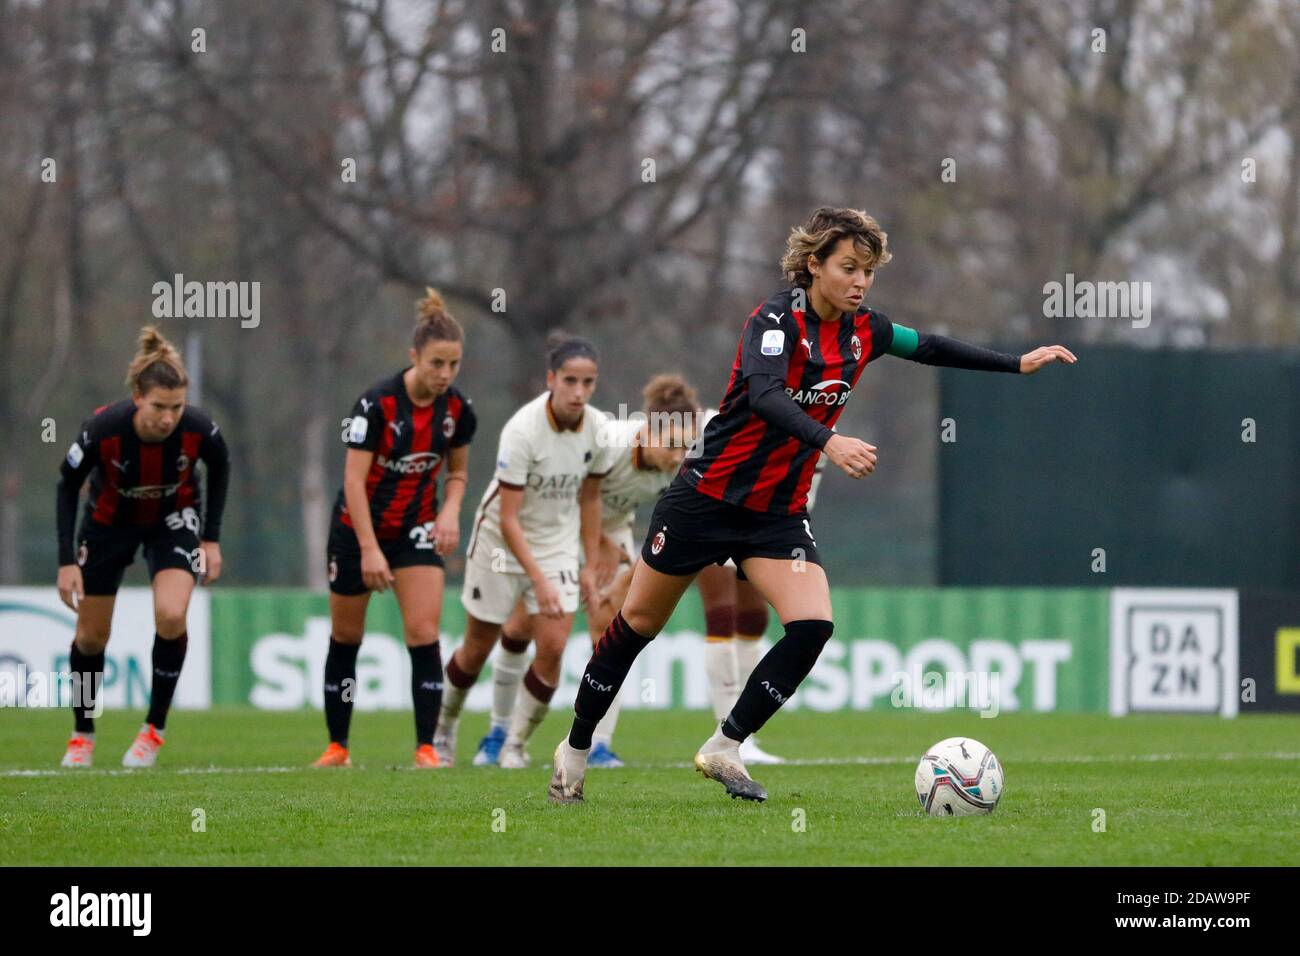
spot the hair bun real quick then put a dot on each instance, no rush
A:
(431, 306)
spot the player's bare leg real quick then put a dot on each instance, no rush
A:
(419, 592)
(347, 628)
(801, 596)
(172, 588)
(86, 663)
(550, 637)
(651, 598)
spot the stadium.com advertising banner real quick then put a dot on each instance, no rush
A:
(993, 650)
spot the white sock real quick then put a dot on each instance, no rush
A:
(507, 671)
(604, 732)
(749, 651)
(724, 681)
(529, 712)
(719, 741)
(453, 699)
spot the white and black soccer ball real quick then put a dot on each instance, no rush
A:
(959, 777)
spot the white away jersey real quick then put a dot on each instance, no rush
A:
(549, 464)
(628, 486)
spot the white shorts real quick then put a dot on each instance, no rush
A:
(491, 595)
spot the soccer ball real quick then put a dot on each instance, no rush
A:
(958, 777)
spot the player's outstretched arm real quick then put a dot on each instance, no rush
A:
(939, 350)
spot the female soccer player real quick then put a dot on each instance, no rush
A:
(387, 529)
(140, 455)
(648, 450)
(800, 355)
(735, 619)
(544, 498)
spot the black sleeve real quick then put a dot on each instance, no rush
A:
(216, 456)
(950, 353)
(81, 459)
(768, 398)
(65, 506)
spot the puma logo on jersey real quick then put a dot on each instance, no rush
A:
(396, 427)
(807, 345)
(120, 465)
(777, 317)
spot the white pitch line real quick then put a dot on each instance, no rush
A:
(68, 771)
(1078, 758)
(818, 762)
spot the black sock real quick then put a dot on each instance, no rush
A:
(87, 679)
(340, 688)
(605, 673)
(426, 689)
(168, 656)
(777, 676)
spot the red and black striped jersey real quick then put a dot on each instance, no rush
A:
(745, 460)
(410, 443)
(142, 484)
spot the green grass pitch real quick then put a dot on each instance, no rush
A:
(1175, 790)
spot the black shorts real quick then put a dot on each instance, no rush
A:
(104, 552)
(343, 554)
(690, 530)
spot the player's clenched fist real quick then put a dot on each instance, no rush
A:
(853, 456)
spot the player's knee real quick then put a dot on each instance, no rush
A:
(646, 624)
(347, 635)
(419, 635)
(170, 622)
(91, 642)
(810, 636)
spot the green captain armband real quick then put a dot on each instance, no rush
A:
(904, 342)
